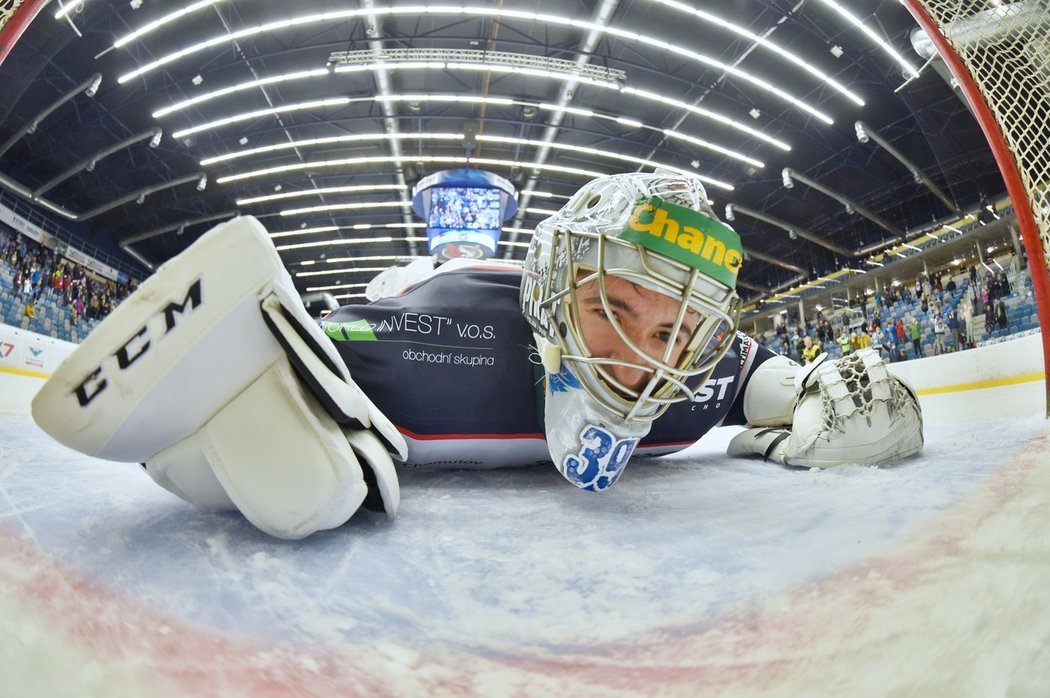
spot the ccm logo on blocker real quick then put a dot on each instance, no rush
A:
(139, 343)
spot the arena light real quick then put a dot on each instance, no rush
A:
(374, 258)
(313, 104)
(166, 19)
(240, 87)
(542, 194)
(598, 152)
(356, 241)
(355, 189)
(728, 152)
(504, 101)
(526, 16)
(335, 287)
(333, 228)
(330, 140)
(329, 272)
(707, 114)
(301, 106)
(909, 69)
(92, 89)
(305, 231)
(713, 146)
(765, 43)
(355, 206)
(396, 160)
(66, 9)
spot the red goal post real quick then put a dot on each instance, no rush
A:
(1000, 56)
(15, 16)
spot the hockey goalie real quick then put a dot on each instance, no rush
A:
(617, 340)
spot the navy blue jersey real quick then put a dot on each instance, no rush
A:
(451, 363)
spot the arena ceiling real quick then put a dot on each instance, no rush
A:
(319, 116)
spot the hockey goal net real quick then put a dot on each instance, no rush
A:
(999, 53)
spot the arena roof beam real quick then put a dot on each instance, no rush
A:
(866, 133)
(789, 175)
(89, 87)
(89, 162)
(733, 209)
(141, 194)
(773, 260)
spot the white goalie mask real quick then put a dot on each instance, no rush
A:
(657, 233)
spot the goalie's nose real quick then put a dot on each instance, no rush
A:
(627, 376)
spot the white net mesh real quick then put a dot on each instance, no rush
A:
(1006, 49)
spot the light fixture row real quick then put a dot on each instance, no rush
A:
(541, 18)
(305, 143)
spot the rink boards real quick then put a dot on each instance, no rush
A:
(696, 575)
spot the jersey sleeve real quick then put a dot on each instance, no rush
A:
(752, 355)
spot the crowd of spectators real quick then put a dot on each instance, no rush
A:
(934, 314)
(40, 273)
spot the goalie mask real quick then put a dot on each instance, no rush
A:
(629, 289)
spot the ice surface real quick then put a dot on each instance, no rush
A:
(695, 571)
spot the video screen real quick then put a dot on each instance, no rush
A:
(464, 208)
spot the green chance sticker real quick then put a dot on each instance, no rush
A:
(687, 236)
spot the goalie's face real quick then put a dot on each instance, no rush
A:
(650, 321)
(635, 348)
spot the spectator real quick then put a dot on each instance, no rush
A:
(1000, 314)
(939, 330)
(845, 342)
(30, 311)
(915, 332)
(863, 338)
(810, 350)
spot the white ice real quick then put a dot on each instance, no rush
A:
(695, 575)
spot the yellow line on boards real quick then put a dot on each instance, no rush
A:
(977, 385)
(24, 372)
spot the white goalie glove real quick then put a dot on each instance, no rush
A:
(215, 378)
(852, 410)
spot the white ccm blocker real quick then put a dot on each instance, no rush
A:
(279, 431)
